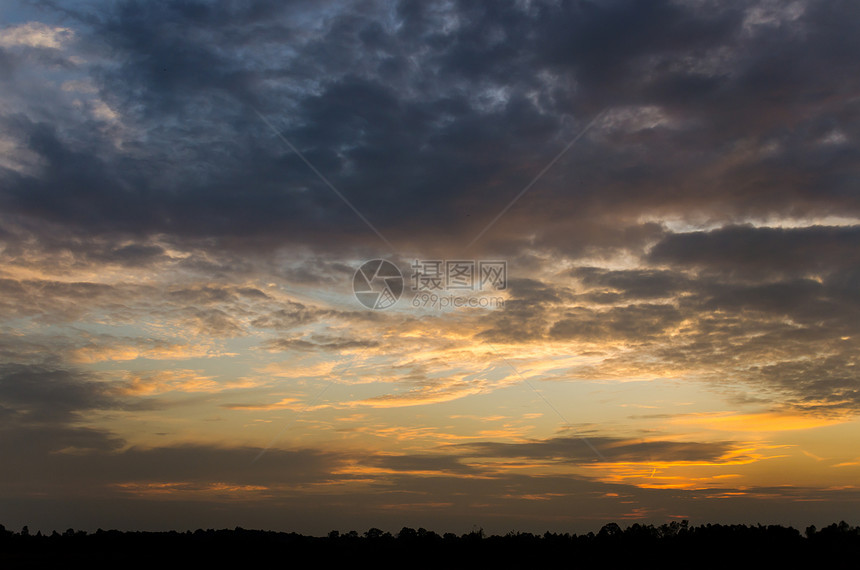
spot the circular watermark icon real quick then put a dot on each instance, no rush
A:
(377, 284)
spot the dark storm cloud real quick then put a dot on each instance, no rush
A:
(746, 251)
(634, 284)
(756, 98)
(430, 117)
(604, 42)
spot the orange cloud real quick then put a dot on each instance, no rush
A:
(184, 488)
(283, 404)
(159, 382)
(444, 391)
(123, 352)
(756, 422)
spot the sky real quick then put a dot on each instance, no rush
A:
(194, 332)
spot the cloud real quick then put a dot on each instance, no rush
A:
(84, 474)
(420, 464)
(283, 404)
(632, 323)
(111, 349)
(35, 35)
(430, 131)
(42, 408)
(318, 342)
(581, 450)
(38, 394)
(618, 285)
(762, 253)
(26, 442)
(704, 230)
(757, 423)
(189, 381)
(434, 391)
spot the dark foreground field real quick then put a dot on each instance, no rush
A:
(835, 546)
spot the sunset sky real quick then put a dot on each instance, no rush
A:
(187, 190)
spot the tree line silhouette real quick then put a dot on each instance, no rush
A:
(709, 545)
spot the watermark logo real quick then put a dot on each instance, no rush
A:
(377, 284)
(436, 283)
(427, 300)
(459, 275)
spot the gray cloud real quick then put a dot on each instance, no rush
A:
(578, 450)
(144, 487)
(433, 463)
(318, 342)
(632, 322)
(42, 408)
(431, 118)
(37, 394)
(633, 284)
(745, 251)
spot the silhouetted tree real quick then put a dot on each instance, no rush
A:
(612, 546)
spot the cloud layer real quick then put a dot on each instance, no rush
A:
(179, 190)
